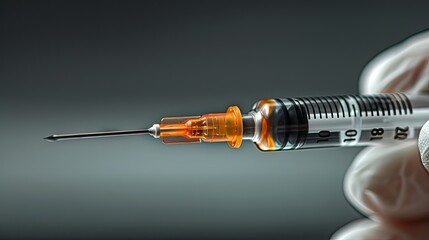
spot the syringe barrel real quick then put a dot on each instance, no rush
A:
(333, 121)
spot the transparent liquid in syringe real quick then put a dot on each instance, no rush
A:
(314, 122)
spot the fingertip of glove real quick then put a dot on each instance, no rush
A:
(389, 182)
(424, 145)
(401, 68)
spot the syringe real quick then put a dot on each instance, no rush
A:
(297, 123)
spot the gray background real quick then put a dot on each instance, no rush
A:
(84, 66)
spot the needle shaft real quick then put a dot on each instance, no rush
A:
(57, 137)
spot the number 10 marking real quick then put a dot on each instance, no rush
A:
(351, 133)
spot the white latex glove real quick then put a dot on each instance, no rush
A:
(389, 184)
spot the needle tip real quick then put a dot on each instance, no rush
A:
(51, 138)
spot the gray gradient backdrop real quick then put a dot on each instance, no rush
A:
(83, 66)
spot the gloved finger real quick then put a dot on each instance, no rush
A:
(389, 183)
(424, 145)
(402, 68)
(370, 230)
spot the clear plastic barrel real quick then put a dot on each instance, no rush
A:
(333, 121)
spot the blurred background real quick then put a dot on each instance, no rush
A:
(70, 66)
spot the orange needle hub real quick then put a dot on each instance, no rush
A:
(213, 127)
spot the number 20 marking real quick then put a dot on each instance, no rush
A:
(401, 133)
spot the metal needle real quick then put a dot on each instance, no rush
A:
(56, 137)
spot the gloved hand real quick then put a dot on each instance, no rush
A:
(389, 184)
